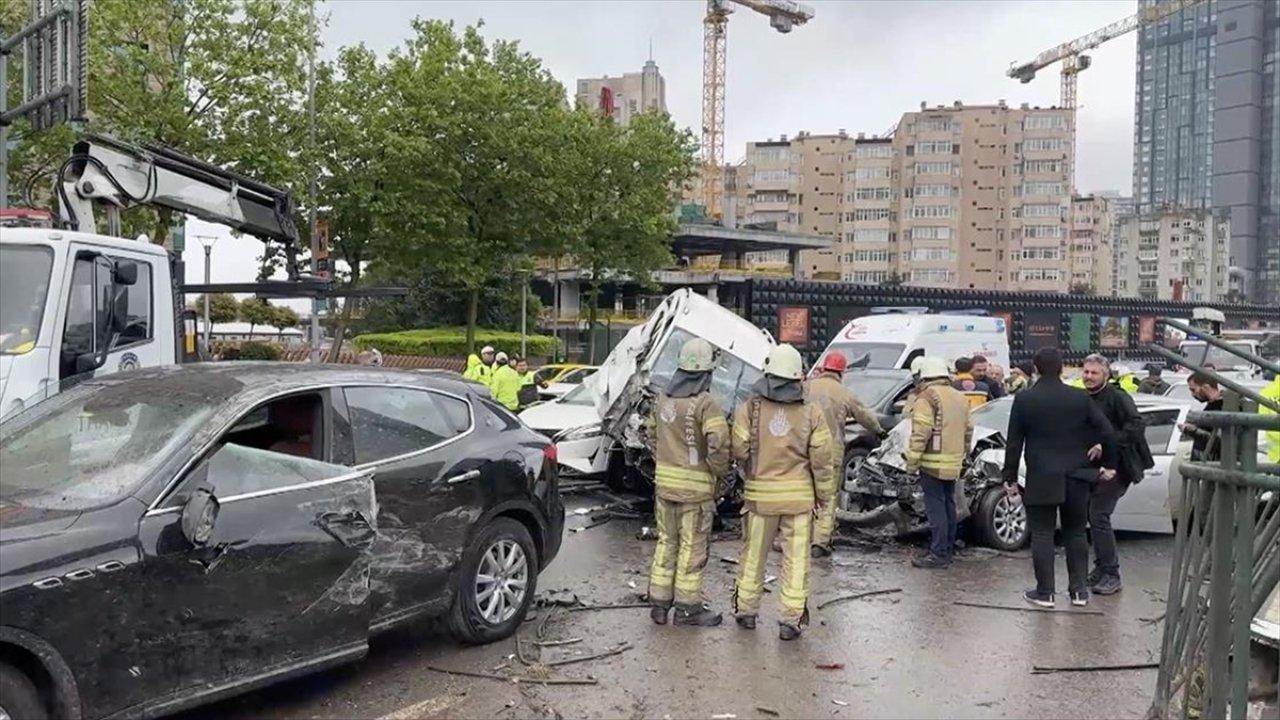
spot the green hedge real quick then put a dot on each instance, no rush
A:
(260, 351)
(451, 342)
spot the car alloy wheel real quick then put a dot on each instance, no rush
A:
(502, 580)
(1009, 521)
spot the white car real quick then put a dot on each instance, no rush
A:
(573, 423)
(569, 381)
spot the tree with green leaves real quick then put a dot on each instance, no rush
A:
(282, 318)
(223, 80)
(256, 311)
(475, 146)
(617, 196)
(223, 308)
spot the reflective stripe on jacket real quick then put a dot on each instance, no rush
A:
(505, 386)
(691, 452)
(786, 453)
(940, 431)
(1272, 392)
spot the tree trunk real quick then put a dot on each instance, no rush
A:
(161, 237)
(340, 331)
(592, 294)
(473, 310)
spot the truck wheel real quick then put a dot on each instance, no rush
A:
(496, 583)
(19, 698)
(1001, 524)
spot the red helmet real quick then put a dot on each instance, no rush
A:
(834, 362)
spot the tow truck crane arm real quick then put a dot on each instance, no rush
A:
(119, 175)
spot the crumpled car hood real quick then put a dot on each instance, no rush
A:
(893, 450)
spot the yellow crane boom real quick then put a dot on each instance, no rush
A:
(783, 15)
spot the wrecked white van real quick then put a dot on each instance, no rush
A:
(611, 441)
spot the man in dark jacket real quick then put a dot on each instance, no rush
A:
(1132, 457)
(1057, 425)
(1205, 441)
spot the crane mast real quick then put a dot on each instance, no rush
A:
(783, 15)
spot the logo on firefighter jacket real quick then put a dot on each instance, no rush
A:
(779, 426)
(668, 412)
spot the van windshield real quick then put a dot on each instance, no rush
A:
(1205, 354)
(882, 355)
(24, 286)
(730, 382)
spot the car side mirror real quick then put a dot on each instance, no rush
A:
(199, 514)
(125, 272)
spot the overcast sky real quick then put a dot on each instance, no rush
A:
(856, 65)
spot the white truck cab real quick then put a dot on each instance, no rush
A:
(75, 304)
(894, 339)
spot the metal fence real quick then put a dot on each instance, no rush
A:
(1226, 555)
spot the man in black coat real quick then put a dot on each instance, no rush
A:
(1132, 457)
(1057, 425)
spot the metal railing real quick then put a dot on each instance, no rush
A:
(1226, 554)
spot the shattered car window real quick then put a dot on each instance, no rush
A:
(236, 469)
(993, 415)
(881, 355)
(664, 365)
(85, 449)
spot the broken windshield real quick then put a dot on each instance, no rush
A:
(90, 447)
(24, 285)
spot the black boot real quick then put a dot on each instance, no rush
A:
(699, 615)
(658, 614)
(819, 551)
(787, 631)
(746, 622)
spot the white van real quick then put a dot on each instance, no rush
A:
(893, 340)
(598, 426)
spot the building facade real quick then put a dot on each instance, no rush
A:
(1173, 110)
(960, 196)
(1173, 255)
(1246, 141)
(1090, 255)
(626, 96)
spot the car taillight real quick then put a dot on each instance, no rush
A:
(550, 453)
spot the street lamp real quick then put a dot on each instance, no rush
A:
(207, 241)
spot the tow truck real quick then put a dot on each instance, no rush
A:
(77, 300)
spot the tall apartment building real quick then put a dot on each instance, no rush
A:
(1173, 110)
(625, 96)
(970, 196)
(1090, 255)
(1173, 255)
(1246, 140)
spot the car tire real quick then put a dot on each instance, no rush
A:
(19, 697)
(478, 617)
(1001, 525)
(852, 454)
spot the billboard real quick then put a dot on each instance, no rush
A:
(1080, 337)
(1113, 332)
(1040, 329)
(793, 325)
(1146, 329)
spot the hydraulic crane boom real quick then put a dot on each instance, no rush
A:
(783, 15)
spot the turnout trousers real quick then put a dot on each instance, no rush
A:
(684, 530)
(758, 532)
(824, 521)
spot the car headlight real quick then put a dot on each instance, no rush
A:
(579, 433)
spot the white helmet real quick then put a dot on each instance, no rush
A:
(930, 368)
(784, 362)
(501, 358)
(486, 349)
(697, 355)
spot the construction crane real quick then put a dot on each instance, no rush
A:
(1074, 61)
(783, 15)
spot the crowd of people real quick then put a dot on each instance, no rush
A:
(1082, 450)
(508, 377)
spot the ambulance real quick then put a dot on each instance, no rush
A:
(893, 337)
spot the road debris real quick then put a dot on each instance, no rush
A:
(829, 666)
(841, 703)
(767, 710)
(729, 560)
(594, 523)
(556, 643)
(1050, 669)
(724, 716)
(857, 596)
(1026, 609)
(647, 533)
(515, 678)
(1152, 620)
(552, 598)
(621, 648)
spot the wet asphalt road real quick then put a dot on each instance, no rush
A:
(908, 654)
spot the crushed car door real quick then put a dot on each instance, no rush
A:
(257, 562)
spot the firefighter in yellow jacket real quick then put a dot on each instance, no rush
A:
(838, 405)
(691, 447)
(940, 436)
(784, 450)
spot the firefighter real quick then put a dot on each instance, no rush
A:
(838, 404)
(692, 454)
(940, 435)
(784, 449)
(1272, 392)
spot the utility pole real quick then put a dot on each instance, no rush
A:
(524, 316)
(207, 241)
(311, 193)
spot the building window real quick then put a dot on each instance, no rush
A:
(932, 254)
(873, 193)
(871, 214)
(933, 277)
(1044, 122)
(768, 154)
(1041, 188)
(869, 277)
(932, 211)
(934, 148)
(935, 125)
(1041, 166)
(881, 256)
(933, 168)
(877, 150)
(1034, 253)
(871, 173)
(868, 235)
(764, 176)
(933, 190)
(1043, 145)
(1042, 232)
(1037, 274)
(1041, 211)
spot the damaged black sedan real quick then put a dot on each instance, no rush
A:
(169, 537)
